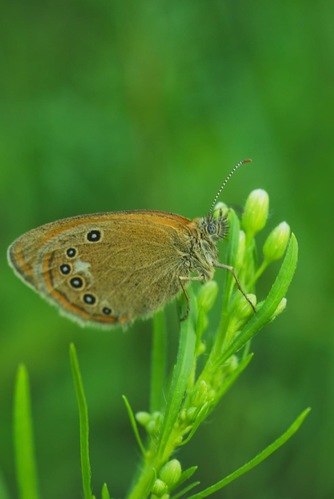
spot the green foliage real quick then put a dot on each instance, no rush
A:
(196, 389)
(206, 366)
(23, 438)
(84, 428)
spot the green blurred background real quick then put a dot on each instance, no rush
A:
(112, 105)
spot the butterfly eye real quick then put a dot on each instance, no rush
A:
(212, 227)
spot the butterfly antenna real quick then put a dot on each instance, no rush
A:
(225, 182)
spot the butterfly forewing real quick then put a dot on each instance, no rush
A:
(96, 267)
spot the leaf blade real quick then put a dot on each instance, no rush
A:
(270, 449)
(84, 425)
(23, 438)
(181, 373)
(277, 292)
(134, 425)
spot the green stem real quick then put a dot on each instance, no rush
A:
(164, 441)
(145, 479)
(258, 274)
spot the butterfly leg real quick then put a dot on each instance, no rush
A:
(187, 278)
(231, 269)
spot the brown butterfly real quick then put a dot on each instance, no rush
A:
(108, 269)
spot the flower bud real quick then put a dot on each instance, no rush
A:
(183, 415)
(201, 348)
(170, 472)
(159, 488)
(241, 312)
(143, 418)
(199, 397)
(276, 243)
(207, 295)
(242, 309)
(231, 364)
(280, 308)
(256, 212)
(241, 250)
(220, 208)
(154, 423)
(192, 414)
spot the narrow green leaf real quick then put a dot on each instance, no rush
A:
(84, 426)
(256, 460)
(185, 490)
(158, 361)
(277, 292)
(181, 372)
(105, 492)
(23, 438)
(185, 475)
(134, 424)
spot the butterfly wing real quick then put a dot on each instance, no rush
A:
(106, 269)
